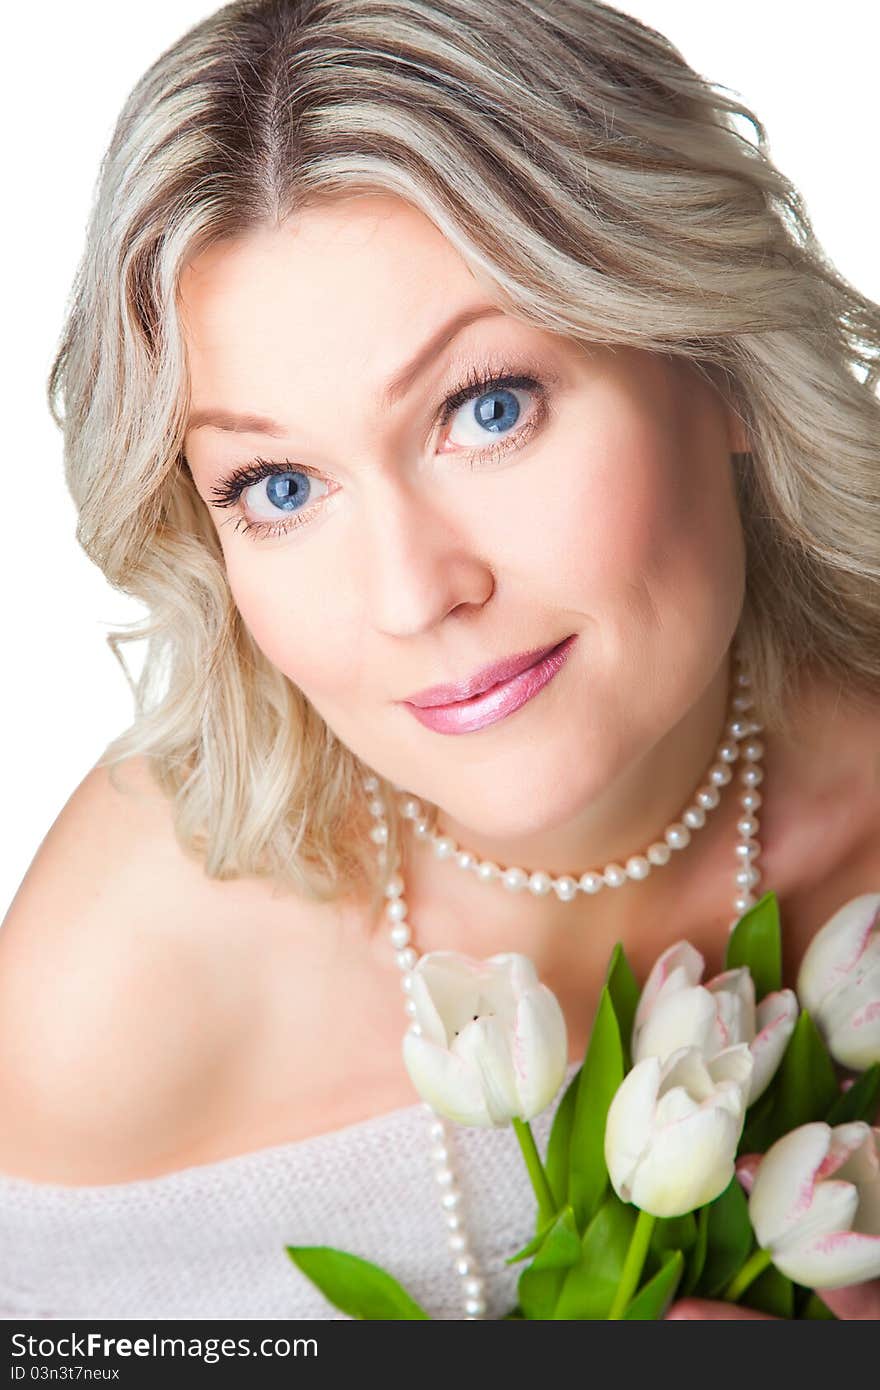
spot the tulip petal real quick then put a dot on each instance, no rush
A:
(680, 966)
(687, 1163)
(783, 1186)
(775, 1017)
(454, 982)
(444, 1081)
(628, 1124)
(849, 1015)
(682, 1019)
(832, 1261)
(484, 1046)
(426, 1014)
(540, 1050)
(836, 948)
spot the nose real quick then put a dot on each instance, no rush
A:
(418, 563)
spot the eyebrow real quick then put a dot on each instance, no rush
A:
(398, 385)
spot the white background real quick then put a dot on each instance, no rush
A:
(809, 73)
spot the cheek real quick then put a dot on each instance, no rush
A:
(293, 621)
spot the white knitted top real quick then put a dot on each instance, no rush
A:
(208, 1241)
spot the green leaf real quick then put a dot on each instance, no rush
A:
(860, 1102)
(697, 1260)
(759, 1125)
(807, 1083)
(654, 1298)
(673, 1233)
(559, 1241)
(590, 1286)
(558, 1145)
(729, 1239)
(624, 991)
(600, 1076)
(770, 1293)
(355, 1286)
(815, 1309)
(540, 1282)
(756, 941)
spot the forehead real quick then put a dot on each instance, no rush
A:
(358, 262)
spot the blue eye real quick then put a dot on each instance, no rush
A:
(486, 403)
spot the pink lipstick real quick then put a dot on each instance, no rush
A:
(489, 703)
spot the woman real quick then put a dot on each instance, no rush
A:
(410, 349)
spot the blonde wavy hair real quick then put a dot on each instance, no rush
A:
(598, 187)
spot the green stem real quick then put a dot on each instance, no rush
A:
(754, 1265)
(540, 1181)
(633, 1264)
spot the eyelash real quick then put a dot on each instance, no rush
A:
(480, 380)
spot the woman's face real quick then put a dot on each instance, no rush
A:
(591, 497)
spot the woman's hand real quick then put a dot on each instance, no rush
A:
(854, 1301)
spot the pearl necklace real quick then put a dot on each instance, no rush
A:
(675, 837)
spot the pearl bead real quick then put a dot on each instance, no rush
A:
(486, 870)
(394, 886)
(437, 1130)
(422, 828)
(453, 1221)
(457, 1242)
(750, 801)
(396, 910)
(410, 1007)
(377, 807)
(473, 1286)
(540, 883)
(440, 1153)
(444, 847)
(743, 902)
(743, 678)
(738, 728)
(591, 882)
(370, 784)
(464, 1265)
(747, 826)
(720, 774)
(379, 834)
(444, 1177)
(747, 849)
(451, 1198)
(745, 878)
(400, 935)
(410, 808)
(514, 879)
(742, 702)
(637, 866)
(406, 958)
(753, 750)
(694, 817)
(565, 888)
(659, 853)
(708, 797)
(677, 835)
(751, 776)
(728, 752)
(474, 1307)
(614, 875)
(406, 983)
(465, 859)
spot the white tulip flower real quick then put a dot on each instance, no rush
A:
(673, 1128)
(676, 1011)
(489, 1043)
(815, 1204)
(839, 982)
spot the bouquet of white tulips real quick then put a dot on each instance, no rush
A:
(690, 1096)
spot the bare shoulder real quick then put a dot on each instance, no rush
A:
(127, 989)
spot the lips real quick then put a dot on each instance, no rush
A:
(482, 680)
